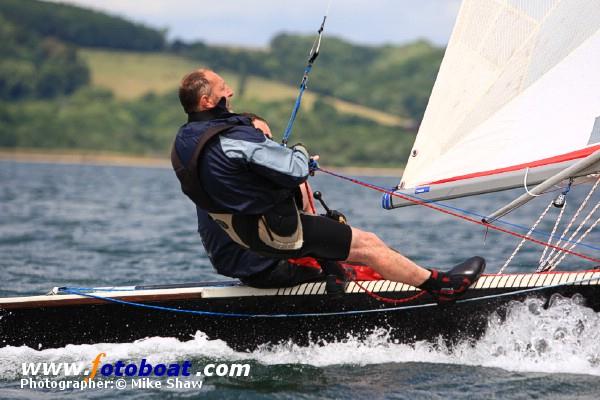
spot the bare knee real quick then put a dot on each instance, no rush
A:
(372, 240)
(364, 246)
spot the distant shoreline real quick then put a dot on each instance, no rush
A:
(124, 160)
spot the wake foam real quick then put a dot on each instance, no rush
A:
(559, 339)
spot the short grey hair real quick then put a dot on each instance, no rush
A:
(193, 86)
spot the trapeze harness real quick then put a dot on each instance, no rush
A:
(280, 228)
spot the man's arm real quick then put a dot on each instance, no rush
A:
(287, 167)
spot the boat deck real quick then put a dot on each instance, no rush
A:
(234, 289)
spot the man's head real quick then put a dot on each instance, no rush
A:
(202, 90)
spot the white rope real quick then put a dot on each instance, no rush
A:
(542, 264)
(328, 8)
(555, 263)
(525, 184)
(514, 253)
(547, 262)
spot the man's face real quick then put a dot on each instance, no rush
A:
(219, 89)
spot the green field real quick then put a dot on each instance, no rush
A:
(76, 80)
(130, 75)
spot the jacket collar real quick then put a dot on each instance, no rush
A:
(218, 112)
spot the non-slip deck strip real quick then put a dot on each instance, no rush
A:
(507, 281)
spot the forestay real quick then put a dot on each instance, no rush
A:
(518, 92)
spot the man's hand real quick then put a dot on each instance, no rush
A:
(263, 127)
(313, 165)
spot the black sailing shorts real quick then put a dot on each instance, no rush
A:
(322, 237)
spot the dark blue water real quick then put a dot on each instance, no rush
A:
(81, 225)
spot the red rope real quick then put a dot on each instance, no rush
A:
(311, 203)
(464, 217)
(388, 299)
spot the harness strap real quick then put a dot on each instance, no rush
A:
(189, 176)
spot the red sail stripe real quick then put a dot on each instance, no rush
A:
(546, 161)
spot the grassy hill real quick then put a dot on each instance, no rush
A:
(131, 75)
(77, 79)
(396, 79)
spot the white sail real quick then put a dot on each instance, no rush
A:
(518, 90)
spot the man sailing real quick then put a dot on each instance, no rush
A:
(247, 184)
(231, 259)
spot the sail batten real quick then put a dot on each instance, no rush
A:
(518, 84)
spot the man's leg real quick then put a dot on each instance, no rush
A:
(366, 248)
(326, 239)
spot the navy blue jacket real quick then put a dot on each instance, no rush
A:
(241, 170)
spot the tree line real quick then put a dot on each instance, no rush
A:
(37, 67)
(81, 26)
(92, 119)
(46, 100)
(394, 79)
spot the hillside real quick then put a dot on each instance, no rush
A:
(78, 79)
(33, 66)
(392, 79)
(130, 75)
(81, 26)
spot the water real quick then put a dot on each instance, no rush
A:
(81, 225)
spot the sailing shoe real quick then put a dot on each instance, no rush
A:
(336, 276)
(448, 286)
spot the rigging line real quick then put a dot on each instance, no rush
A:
(238, 315)
(550, 257)
(525, 184)
(555, 263)
(384, 299)
(563, 237)
(499, 221)
(507, 223)
(543, 261)
(327, 314)
(328, 7)
(463, 211)
(463, 217)
(312, 56)
(311, 203)
(518, 248)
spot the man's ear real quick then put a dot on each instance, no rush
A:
(206, 103)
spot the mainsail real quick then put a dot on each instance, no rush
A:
(517, 96)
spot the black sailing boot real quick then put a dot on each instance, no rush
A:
(448, 286)
(336, 277)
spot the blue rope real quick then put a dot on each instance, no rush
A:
(99, 289)
(467, 212)
(288, 129)
(314, 53)
(303, 315)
